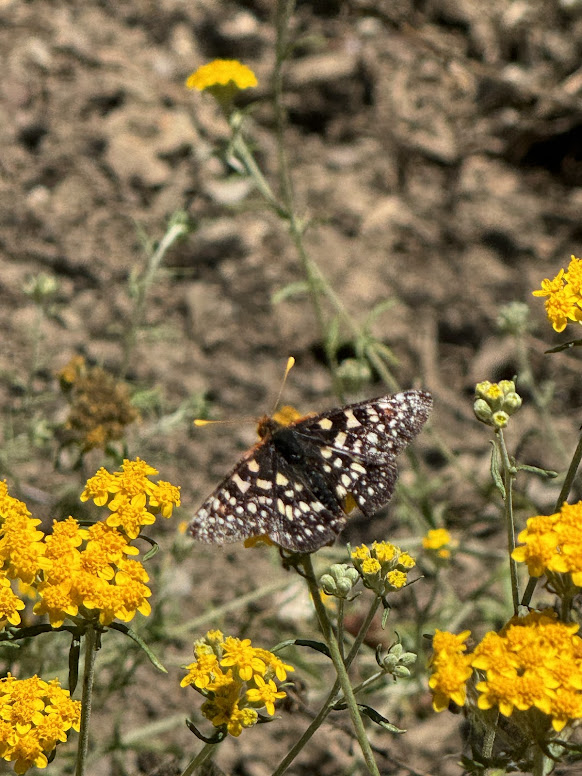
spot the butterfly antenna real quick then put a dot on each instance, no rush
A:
(288, 368)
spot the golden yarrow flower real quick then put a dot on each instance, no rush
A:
(222, 72)
(247, 682)
(34, 717)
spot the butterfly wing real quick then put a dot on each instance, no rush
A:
(357, 445)
(264, 495)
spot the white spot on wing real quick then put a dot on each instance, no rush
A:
(240, 483)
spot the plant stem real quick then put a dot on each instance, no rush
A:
(340, 667)
(87, 698)
(570, 474)
(508, 478)
(204, 754)
(177, 229)
(331, 699)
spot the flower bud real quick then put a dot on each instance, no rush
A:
(482, 411)
(500, 419)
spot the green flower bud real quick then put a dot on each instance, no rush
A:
(482, 411)
(328, 584)
(507, 386)
(339, 580)
(401, 672)
(512, 402)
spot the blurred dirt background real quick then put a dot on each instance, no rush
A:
(437, 148)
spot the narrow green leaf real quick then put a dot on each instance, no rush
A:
(119, 626)
(372, 714)
(291, 289)
(318, 646)
(565, 346)
(74, 654)
(549, 473)
(496, 470)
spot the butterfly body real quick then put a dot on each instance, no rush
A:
(298, 482)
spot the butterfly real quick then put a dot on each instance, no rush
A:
(297, 484)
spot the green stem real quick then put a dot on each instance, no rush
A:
(331, 699)
(87, 698)
(340, 667)
(508, 478)
(174, 232)
(570, 474)
(204, 754)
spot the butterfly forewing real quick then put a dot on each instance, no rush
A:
(294, 485)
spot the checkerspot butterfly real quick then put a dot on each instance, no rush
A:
(297, 484)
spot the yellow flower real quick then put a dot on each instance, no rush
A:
(371, 566)
(10, 605)
(222, 72)
(396, 580)
(561, 307)
(550, 287)
(165, 497)
(98, 487)
(573, 276)
(201, 672)
(448, 682)
(58, 601)
(360, 553)
(436, 540)
(243, 656)
(265, 694)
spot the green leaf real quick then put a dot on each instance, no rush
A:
(74, 654)
(549, 473)
(376, 312)
(119, 626)
(496, 470)
(565, 346)
(372, 714)
(318, 646)
(291, 289)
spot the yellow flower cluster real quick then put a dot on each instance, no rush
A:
(439, 542)
(534, 662)
(131, 497)
(553, 544)
(383, 567)
(34, 716)
(84, 572)
(221, 72)
(564, 295)
(21, 553)
(89, 573)
(236, 679)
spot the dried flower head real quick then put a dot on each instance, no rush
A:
(100, 406)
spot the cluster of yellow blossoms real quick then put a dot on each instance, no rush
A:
(564, 295)
(236, 679)
(553, 544)
(383, 567)
(439, 543)
(79, 574)
(534, 662)
(34, 716)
